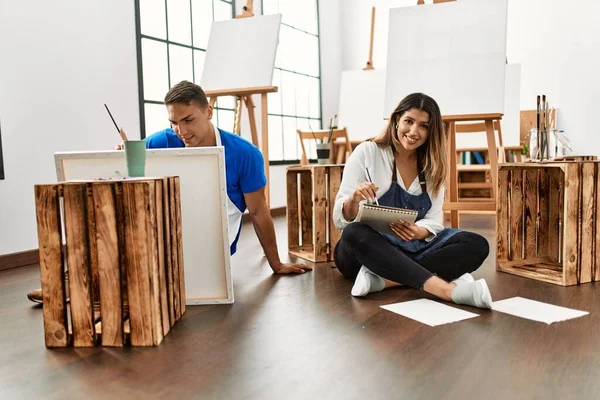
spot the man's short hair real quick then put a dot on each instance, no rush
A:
(186, 92)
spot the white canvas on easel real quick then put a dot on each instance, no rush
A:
(511, 124)
(454, 52)
(361, 103)
(206, 255)
(241, 53)
(361, 98)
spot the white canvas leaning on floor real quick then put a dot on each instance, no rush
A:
(206, 255)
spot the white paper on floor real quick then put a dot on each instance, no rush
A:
(536, 310)
(429, 312)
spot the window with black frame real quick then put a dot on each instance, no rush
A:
(297, 104)
(172, 36)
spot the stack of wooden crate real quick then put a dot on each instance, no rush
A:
(124, 258)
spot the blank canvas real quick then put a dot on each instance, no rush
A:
(201, 172)
(361, 103)
(455, 52)
(510, 122)
(241, 53)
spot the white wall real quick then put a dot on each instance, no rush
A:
(560, 57)
(60, 62)
(557, 44)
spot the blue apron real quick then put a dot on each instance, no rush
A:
(396, 196)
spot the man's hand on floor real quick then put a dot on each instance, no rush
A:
(289, 268)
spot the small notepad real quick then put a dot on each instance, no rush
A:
(379, 217)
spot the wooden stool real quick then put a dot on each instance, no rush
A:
(547, 221)
(451, 202)
(311, 192)
(124, 256)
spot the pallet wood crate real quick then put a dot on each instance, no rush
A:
(311, 191)
(123, 255)
(547, 221)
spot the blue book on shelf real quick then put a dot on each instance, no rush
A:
(478, 157)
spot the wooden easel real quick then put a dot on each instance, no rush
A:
(244, 95)
(248, 10)
(370, 62)
(453, 205)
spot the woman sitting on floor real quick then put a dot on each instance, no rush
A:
(408, 167)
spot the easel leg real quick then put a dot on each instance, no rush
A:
(251, 118)
(493, 154)
(453, 181)
(265, 141)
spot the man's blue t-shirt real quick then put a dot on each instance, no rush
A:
(244, 165)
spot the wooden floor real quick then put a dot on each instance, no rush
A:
(305, 337)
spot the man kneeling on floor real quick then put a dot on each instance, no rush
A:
(190, 116)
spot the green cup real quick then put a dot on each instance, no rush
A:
(135, 156)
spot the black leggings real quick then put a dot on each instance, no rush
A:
(361, 245)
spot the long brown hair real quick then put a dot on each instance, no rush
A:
(432, 154)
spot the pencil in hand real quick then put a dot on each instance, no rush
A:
(371, 181)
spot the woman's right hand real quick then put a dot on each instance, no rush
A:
(365, 191)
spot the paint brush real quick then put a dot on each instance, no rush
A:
(121, 131)
(538, 126)
(331, 128)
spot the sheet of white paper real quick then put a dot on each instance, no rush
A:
(536, 310)
(429, 312)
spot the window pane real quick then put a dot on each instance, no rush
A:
(288, 93)
(152, 18)
(199, 57)
(302, 16)
(180, 30)
(300, 51)
(202, 12)
(308, 125)
(302, 96)
(154, 61)
(156, 119)
(275, 138)
(290, 139)
(222, 11)
(228, 102)
(311, 56)
(314, 93)
(270, 7)
(225, 120)
(181, 64)
(285, 50)
(274, 99)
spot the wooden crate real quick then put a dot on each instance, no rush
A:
(547, 221)
(311, 191)
(124, 257)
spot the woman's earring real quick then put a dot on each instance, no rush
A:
(397, 126)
